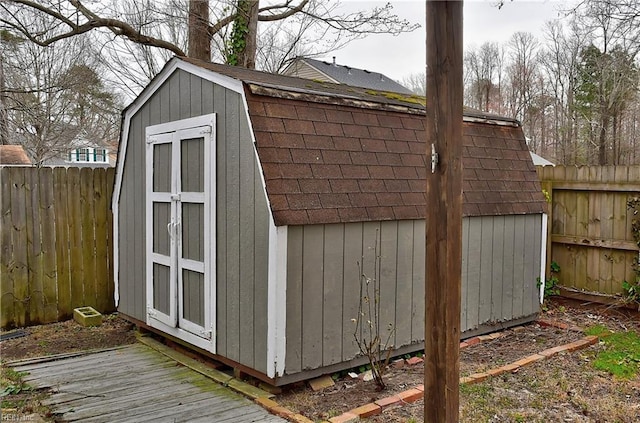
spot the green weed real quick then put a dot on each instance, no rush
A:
(621, 355)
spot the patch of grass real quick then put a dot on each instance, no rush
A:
(621, 355)
(597, 330)
(18, 395)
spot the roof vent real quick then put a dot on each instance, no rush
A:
(334, 60)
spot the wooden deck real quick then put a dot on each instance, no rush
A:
(137, 384)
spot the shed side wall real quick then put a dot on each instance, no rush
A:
(242, 215)
(501, 261)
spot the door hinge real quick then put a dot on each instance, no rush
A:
(205, 130)
(151, 312)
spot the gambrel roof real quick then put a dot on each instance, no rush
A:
(334, 153)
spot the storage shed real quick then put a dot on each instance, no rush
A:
(245, 201)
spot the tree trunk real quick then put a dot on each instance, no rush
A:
(4, 115)
(244, 35)
(199, 43)
(602, 141)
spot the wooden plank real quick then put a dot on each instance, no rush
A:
(6, 250)
(388, 281)
(485, 251)
(419, 272)
(137, 217)
(293, 357)
(519, 264)
(110, 240)
(531, 265)
(184, 99)
(76, 263)
(444, 221)
(498, 279)
(173, 85)
(332, 300)
(404, 284)
(261, 264)
(473, 273)
(233, 187)
(48, 229)
(464, 289)
(20, 272)
(312, 293)
(602, 186)
(207, 97)
(588, 241)
(351, 287)
(221, 220)
(104, 296)
(62, 225)
(195, 97)
(247, 225)
(34, 250)
(508, 266)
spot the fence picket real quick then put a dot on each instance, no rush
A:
(49, 270)
(101, 210)
(20, 273)
(6, 249)
(61, 223)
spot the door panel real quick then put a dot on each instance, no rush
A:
(161, 281)
(160, 227)
(192, 249)
(180, 241)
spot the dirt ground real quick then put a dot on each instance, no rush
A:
(564, 388)
(69, 336)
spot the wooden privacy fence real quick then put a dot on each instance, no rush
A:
(589, 231)
(57, 249)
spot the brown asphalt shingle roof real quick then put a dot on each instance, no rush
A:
(13, 155)
(333, 153)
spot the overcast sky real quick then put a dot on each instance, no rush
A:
(403, 55)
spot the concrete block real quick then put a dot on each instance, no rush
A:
(321, 382)
(87, 316)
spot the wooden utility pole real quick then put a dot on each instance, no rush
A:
(444, 211)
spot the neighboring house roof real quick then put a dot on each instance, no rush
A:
(13, 155)
(340, 74)
(333, 153)
(539, 160)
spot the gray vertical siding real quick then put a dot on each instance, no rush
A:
(242, 217)
(501, 261)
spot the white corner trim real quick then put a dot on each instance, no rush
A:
(116, 265)
(543, 255)
(277, 301)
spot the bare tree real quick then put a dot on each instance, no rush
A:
(72, 17)
(54, 96)
(416, 82)
(483, 68)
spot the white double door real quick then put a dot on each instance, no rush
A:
(180, 195)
